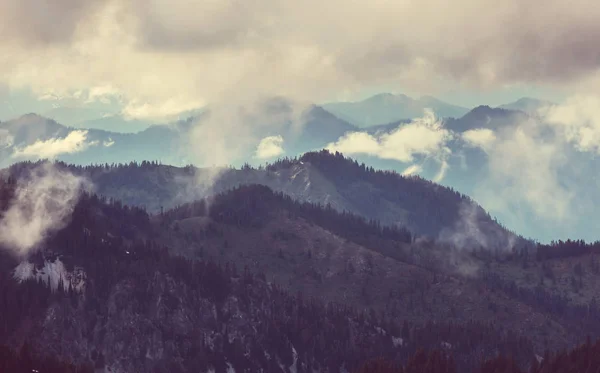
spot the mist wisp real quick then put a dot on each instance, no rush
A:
(43, 202)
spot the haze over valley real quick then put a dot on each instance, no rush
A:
(276, 186)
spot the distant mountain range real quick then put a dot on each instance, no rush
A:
(168, 143)
(467, 165)
(91, 147)
(527, 105)
(386, 108)
(317, 177)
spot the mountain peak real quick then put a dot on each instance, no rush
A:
(385, 108)
(389, 98)
(32, 116)
(485, 110)
(527, 104)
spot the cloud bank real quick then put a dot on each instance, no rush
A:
(74, 142)
(6, 139)
(165, 56)
(160, 57)
(424, 136)
(270, 147)
(480, 137)
(43, 204)
(542, 170)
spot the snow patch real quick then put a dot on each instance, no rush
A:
(380, 330)
(293, 367)
(230, 368)
(397, 341)
(23, 271)
(51, 274)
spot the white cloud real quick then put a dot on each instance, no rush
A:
(412, 170)
(525, 168)
(6, 139)
(444, 166)
(42, 204)
(100, 93)
(578, 120)
(532, 162)
(481, 137)
(227, 134)
(423, 136)
(359, 143)
(74, 142)
(154, 50)
(110, 142)
(159, 111)
(270, 147)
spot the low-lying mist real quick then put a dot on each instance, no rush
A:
(43, 202)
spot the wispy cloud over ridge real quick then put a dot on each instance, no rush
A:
(270, 147)
(74, 142)
(43, 203)
(479, 137)
(424, 136)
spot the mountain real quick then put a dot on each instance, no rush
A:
(317, 177)
(386, 108)
(527, 105)
(107, 290)
(576, 360)
(73, 115)
(90, 145)
(250, 279)
(168, 143)
(485, 117)
(114, 123)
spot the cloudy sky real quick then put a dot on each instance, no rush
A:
(161, 57)
(157, 58)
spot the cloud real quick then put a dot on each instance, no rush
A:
(270, 147)
(35, 24)
(481, 137)
(167, 110)
(360, 143)
(532, 182)
(150, 51)
(74, 142)
(101, 93)
(43, 203)
(423, 136)
(412, 170)
(110, 142)
(227, 134)
(6, 139)
(444, 166)
(578, 121)
(160, 57)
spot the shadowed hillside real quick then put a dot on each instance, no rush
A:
(423, 207)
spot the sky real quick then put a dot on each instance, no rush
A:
(161, 57)
(153, 59)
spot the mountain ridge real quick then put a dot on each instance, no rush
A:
(386, 108)
(317, 177)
